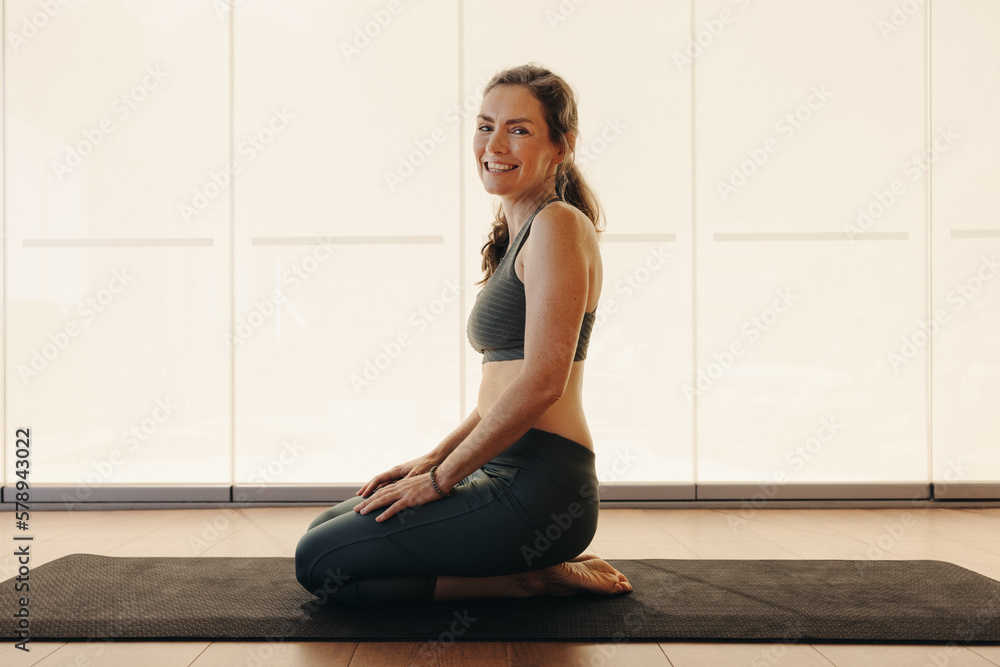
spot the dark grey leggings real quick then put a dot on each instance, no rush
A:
(532, 506)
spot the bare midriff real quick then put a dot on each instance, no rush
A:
(564, 417)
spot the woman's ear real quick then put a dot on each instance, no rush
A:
(571, 142)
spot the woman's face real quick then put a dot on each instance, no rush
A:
(512, 132)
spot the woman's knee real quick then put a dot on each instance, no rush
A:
(329, 584)
(304, 559)
(339, 549)
(311, 553)
(313, 546)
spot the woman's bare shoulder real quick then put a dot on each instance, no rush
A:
(563, 218)
(563, 228)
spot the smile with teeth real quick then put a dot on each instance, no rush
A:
(497, 167)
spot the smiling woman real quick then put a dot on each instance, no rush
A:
(505, 505)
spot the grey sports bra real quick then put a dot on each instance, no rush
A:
(496, 323)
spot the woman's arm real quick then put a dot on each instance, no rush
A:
(517, 409)
(455, 438)
(422, 464)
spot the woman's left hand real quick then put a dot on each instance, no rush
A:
(407, 492)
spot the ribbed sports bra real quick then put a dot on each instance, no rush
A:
(497, 320)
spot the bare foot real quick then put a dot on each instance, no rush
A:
(584, 557)
(584, 574)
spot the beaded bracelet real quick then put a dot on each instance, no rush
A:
(434, 482)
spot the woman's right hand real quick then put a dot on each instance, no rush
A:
(417, 466)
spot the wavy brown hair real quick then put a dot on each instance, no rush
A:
(560, 107)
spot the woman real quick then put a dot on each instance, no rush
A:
(504, 506)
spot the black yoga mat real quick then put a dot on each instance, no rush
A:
(812, 601)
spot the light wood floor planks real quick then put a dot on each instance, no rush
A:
(966, 537)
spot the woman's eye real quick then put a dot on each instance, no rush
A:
(484, 126)
(521, 129)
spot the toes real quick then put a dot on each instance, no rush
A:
(621, 587)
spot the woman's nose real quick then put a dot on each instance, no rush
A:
(497, 143)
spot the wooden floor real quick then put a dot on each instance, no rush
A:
(966, 537)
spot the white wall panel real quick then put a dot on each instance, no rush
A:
(794, 378)
(966, 223)
(3, 287)
(350, 209)
(352, 373)
(832, 112)
(831, 109)
(360, 152)
(639, 357)
(119, 378)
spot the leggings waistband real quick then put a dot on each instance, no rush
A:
(550, 454)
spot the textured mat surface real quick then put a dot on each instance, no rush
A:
(813, 601)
